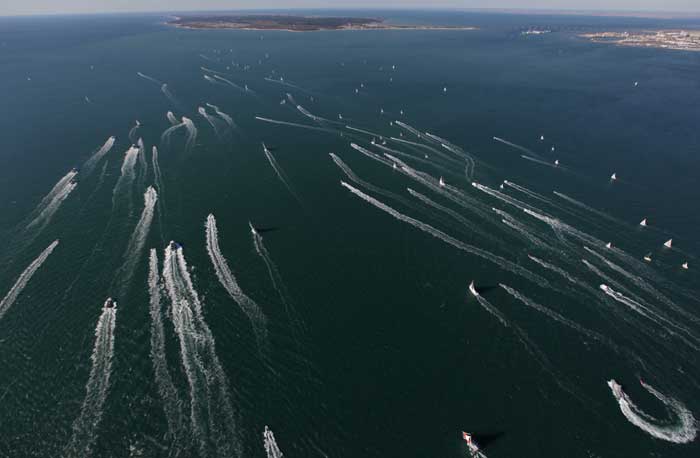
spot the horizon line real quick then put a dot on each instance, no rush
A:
(618, 12)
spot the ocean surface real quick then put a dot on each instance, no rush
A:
(339, 316)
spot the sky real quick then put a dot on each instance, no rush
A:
(16, 7)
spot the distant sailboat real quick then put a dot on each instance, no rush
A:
(556, 162)
(668, 243)
(442, 182)
(613, 176)
(500, 186)
(541, 138)
(608, 245)
(472, 289)
(444, 89)
(685, 265)
(647, 257)
(643, 222)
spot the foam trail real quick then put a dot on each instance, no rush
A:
(519, 204)
(228, 281)
(132, 132)
(530, 193)
(570, 278)
(229, 82)
(86, 425)
(202, 111)
(440, 154)
(143, 165)
(556, 316)
(24, 278)
(138, 239)
(650, 314)
(191, 133)
(541, 162)
(285, 83)
(294, 124)
(641, 283)
(211, 80)
(149, 78)
(370, 154)
(448, 146)
(166, 388)
(271, 448)
(682, 431)
(165, 137)
(518, 147)
(171, 117)
(366, 132)
(280, 173)
(227, 118)
(445, 171)
(57, 189)
(209, 70)
(357, 180)
(127, 175)
(456, 216)
(97, 156)
(501, 262)
(52, 207)
(169, 95)
(408, 128)
(211, 412)
(156, 170)
(588, 208)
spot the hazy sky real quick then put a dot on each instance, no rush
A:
(9, 7)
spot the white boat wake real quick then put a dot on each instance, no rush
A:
(191, 133)
(24, 278)
(137, 240)
(126, 179)
(271, 448)
(228, 281)
(166, 388)
(86, 425)
(52, 202)
(501, 262)
(280, 174)
(211, 412)
(97, 156)
(682, 430)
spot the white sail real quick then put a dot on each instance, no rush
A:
(668, 243)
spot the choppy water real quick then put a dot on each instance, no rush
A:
(343, 322)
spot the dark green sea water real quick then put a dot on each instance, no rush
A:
(375, 346)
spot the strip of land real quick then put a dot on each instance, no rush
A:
(666, 39)
(296, 23)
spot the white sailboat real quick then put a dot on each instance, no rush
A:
(685, 265)
(608, 245)
(613, 176)
(668, 243)
(472, 289)
(643, 222)
(442, 182)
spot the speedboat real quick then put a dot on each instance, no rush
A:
(472, 289)
(647, 257)
(473, 448)
(252, 228)
(174, 245)
(110, 303)
(605, 288)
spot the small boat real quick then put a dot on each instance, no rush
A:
(442, 182)
(173, 245)
(473, 448)
(643, 222)
(541, 138)
(340, 116)
(472, 289)
(605, 288)
(647, 257)
(636, 83)
(444, 89)
(685, 265)
(613, 176)
(608, 245)
(552, 149)
(500, 186)
(556, 162)
(110, 304)
(394, 166)
(668, 243)
(252, 228)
